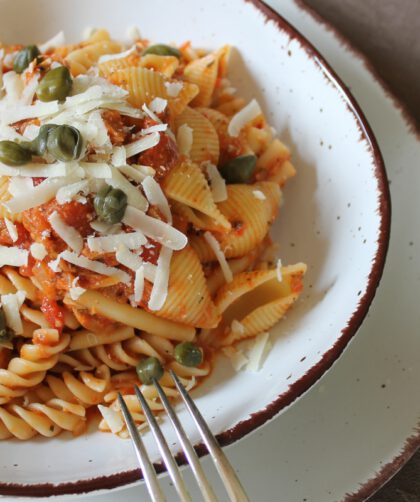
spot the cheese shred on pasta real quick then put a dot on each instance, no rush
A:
(133, 235)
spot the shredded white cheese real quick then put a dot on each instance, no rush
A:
(33, 170)
(133, 33)
(154, 128)
(142, 144)
(156, 197)
(11, 228)
(66, 232)
(160, 286)
(258, 194)
(243, 117)
(184, 139)
(69, 192)
(118, 157)
(279, 270)
(136, 172)
(155, 229)
(94, 266)
(237, 327)
(29, 90)
(158, 105)
(110, 243)
(134, 262)
(150, 113)
(53, 42)
(134, 196)
(217, 183)
(139, 284)
(215, 246)
(120, 55)
(173, 88)
(38, 195)
(236, 357)
(258, 352)
(76, 291)
(13, 256)
(11, 304)
(38, 251)
(105, 228)
(112, 418)
(18, 186)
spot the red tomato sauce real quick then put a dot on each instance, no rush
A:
(53, 313)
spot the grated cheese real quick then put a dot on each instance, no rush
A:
(258, 352)
(38, 251)
(184, 139)
(53, 42)
(139, 284)
(38, 195)
(243, 117)
(160, 286)
(11, 228)
(67, 193)
(215, 246)
(105, 228)
(156, 197)
(236, 357)
(137, 172)
(279, 271)
(155, 229)
(40, 109)
(150, 113)
(237, 327)
(158, 105)
(13, 256)
(134, 262)
(11, 304)
(112, 418)
(134, 196)
(76, 291)
(217, 183)
(118, 156)
(20, 185)
(66, 232)
(110, 243)
(133, 33)
(173, 88)
(121, 55)
(29, 90)
(258, 194)
(31, 131)
(100, 139)
(33, 170)
(142, 144)
(13, 85)
(96, 170)
(94, 266)
(154, 128)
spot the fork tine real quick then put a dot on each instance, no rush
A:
(167, 456)
(147, 468)
(189, 451)
(226, 472)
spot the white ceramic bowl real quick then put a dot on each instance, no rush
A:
(336, 219)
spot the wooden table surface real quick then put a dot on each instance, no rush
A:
(388, 33)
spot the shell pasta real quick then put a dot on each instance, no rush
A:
(137, 191)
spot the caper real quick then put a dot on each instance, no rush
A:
(56, 85)
(188, 354)
(38, 146)
(239, 170)
(148, 370)
(110, 204)
(25, 57)
(63, 142)
(6, 335)
(162, 50)
(13, 154)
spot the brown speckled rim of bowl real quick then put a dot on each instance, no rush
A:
(304, 383)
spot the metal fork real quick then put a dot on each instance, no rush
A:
(232, 484)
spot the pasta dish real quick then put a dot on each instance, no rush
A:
(137, 191)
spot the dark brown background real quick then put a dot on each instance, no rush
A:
(388, 33)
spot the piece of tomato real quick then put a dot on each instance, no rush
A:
(53, 313)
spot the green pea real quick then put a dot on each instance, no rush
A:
(148, 370)
(13, 154)
(38, 146)
(239, 170)
(162, 50)
(25, 57)
(188, 354)
(110, 204)
(56, 85)
(63, 142)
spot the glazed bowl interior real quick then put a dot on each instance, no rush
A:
(335, 219)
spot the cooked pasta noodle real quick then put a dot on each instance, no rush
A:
(146, 240)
